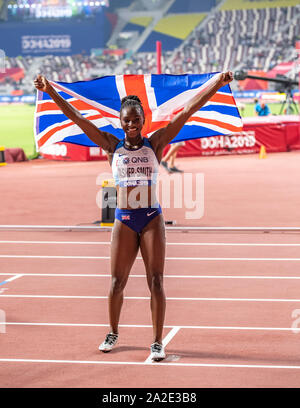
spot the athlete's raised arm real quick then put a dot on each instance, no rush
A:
(105, 140)
(162, 137)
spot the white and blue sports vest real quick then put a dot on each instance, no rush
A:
(135, 167)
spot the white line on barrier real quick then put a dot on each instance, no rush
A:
(173, 364)
(139, 258)
(246, 328)
(148, 298)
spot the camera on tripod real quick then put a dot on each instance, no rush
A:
(283, 85)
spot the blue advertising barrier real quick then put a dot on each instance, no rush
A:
(17, 98)
(253, 93)
(63, 37)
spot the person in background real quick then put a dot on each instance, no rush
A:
(262, 109)
(168, 161)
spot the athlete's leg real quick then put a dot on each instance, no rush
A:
(152, 245)
(124, 248)
(174, 148)
(173, 157)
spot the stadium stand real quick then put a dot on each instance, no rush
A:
(258, 4)
(191, 6)
(77, 67)
(248, 38)
(256, 36)
(145, 62)
(134, 28)
(172, 30)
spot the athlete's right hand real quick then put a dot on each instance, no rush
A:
(42, 84)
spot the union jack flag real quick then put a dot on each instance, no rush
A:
(162, 96)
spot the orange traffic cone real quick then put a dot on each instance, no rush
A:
(262, 152)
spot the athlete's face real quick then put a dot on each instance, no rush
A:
(132, 121)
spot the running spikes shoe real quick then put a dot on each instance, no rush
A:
(109, 342)
(157, 352)
(175, 169)
(165, 165)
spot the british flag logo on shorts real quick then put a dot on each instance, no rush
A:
(125, 217)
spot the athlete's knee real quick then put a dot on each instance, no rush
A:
(157, 282)
(117, 285)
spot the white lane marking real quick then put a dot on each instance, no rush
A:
(168, 243)
(59, 242)
(167, 258)
(148, 298)
(26, 360)
(250, 328)
(54, 257)
(165, 341)
(174, 229)
(74, 275)
(14, 277)
(3, 290)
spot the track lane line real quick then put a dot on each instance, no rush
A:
(168, 243)
(74, 275)
(165, 341)
(140, 258)
(173, 364)
(148, 298)
(10, 279)
(246, 328)
(173, 229)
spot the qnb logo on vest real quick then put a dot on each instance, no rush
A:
(134, 160)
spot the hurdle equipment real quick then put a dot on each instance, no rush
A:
(2, 156)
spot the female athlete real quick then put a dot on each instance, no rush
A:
(139, 222)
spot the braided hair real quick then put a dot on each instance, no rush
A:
(132, 100)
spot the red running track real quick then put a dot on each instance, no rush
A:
(231, 312)
(233, 298)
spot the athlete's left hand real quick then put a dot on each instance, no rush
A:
(226, 77)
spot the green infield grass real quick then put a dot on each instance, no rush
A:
(249, 109)
(16, 127)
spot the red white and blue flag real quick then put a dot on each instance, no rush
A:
(162, 96)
